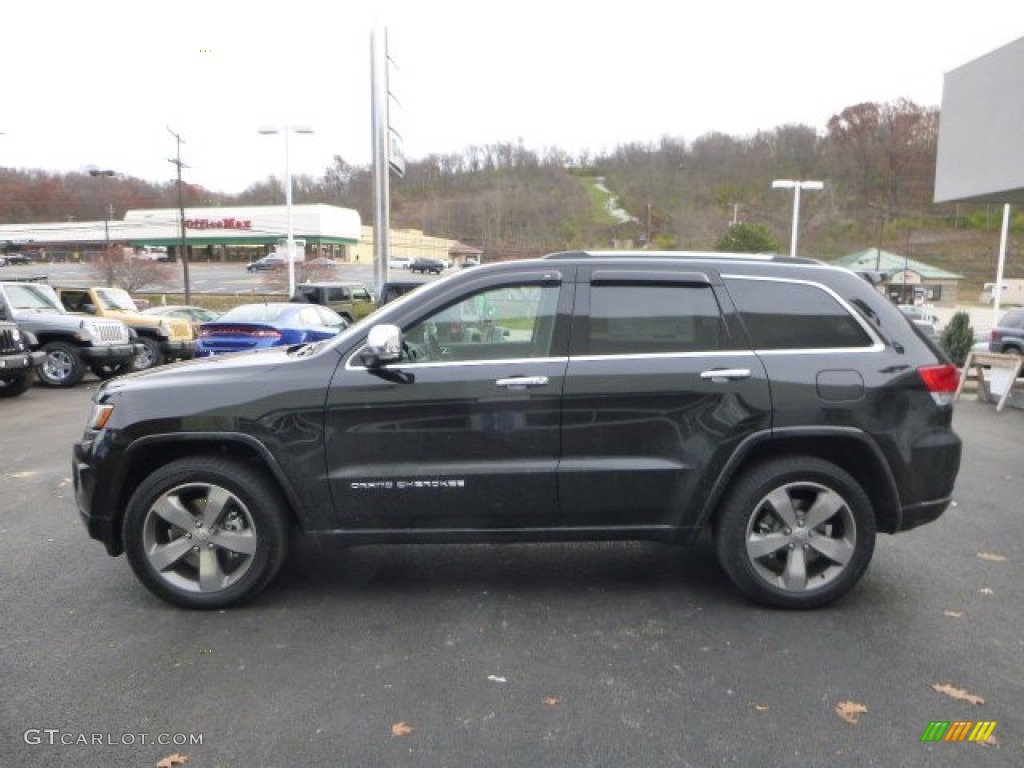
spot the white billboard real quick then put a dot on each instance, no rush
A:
(981, 130)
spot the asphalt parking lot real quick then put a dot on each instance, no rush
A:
(525, 655)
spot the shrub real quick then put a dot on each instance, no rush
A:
(957, 338)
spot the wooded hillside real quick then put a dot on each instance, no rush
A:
(877, 162)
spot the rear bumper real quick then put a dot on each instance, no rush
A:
(919, 514)
(933, 472)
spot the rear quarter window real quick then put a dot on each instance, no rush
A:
(791, 315)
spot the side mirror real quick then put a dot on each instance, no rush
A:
(383, 345)
(89, 309)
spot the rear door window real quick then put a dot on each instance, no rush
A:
(629, 319)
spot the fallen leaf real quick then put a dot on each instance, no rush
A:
(987, 591)
(992, 557)
(401, 729)
(552, 701)
(850, 711)
(957, 693)
(171, 760)
(954, 614)
(991, 741)
(761, 707)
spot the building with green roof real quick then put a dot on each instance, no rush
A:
(906, 280)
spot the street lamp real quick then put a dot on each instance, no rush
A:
(286, 130)
(796, 186)
(104, 174)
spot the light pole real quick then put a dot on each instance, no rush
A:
(104, 174)
(796, 186)
(286, 130)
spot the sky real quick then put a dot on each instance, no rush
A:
(100, 84)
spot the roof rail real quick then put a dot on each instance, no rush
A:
(719, 255)
(26, 279)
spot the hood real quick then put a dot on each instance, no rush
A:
(221, 370)
(177, 326)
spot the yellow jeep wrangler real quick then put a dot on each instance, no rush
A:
(163, 339)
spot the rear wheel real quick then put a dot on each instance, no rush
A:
(16, 384)
(795, 532)
(205, 533)
(62, 367)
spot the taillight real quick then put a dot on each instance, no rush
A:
(994, 335)
(941, 381)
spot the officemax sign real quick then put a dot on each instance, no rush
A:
(218, 223)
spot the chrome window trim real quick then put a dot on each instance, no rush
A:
(350, 366)
(822, 351)
(666, 355)
(876, 346)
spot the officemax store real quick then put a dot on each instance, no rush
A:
(209, 234)
(236, 234)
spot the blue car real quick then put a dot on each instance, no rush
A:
(259, 326)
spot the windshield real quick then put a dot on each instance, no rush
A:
(33, 297)
(116, 299)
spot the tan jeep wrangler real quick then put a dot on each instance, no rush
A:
(163, 339)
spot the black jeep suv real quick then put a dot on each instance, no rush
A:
(783, 405)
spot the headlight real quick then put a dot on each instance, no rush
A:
(86, 331)
(101, 413)
(16, 334)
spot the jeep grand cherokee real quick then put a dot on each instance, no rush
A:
(783, 405)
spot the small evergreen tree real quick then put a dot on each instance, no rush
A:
(747, 238)
(957, 338)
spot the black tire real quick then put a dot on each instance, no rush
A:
(63, 366)
(16, 384)
(150, 357)
(245, 536)
(781, 553)
(109, 370)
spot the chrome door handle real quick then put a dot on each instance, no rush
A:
(522, 382)
(725, 374)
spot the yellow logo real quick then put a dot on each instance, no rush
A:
(958, 730)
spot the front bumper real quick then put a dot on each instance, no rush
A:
(84, 477)
(123, 352)
(21, 361)
(178, 347)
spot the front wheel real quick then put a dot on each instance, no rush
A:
(62, 367)
(205, 533)
(795, 532)
(150, 356)
(16, 384)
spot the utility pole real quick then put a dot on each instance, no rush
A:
(176, 161)
(108, 212)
